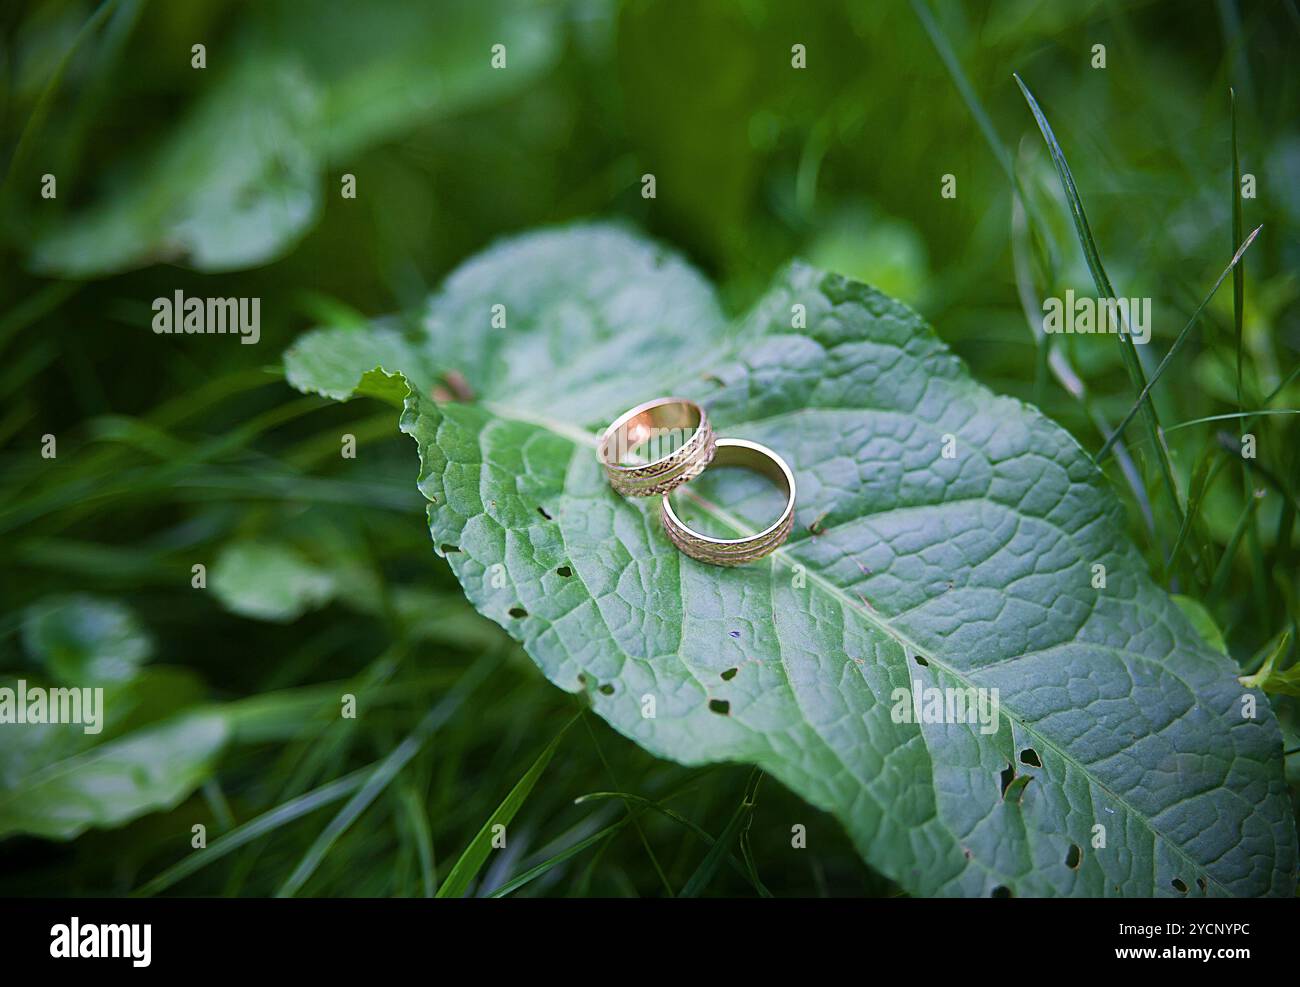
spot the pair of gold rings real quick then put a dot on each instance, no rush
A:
(682, 429)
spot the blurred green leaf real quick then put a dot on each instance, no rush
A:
(1200, 617)
(471, 859)
(269, 581)
(883, 252)
(239, 180)
(443, 617)
(155, 693)
(84, 640)
(234, 185)
(154, 768)
(398, 64)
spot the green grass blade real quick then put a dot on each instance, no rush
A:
(36, 306)
(1049, 357)
(418, 821)
(1128, 349)
(1263, 600)
(645, 843)
(1059, 364)
(1077, 214)
(668, 813)
(699, 881)
(267, 822)
(471, 860)
(966, 91)
(1238, 273)
(517, 882)
(1287, 381)
(1233, 266)
(1224, 570)
(1248, 415)
(747, 854)
(380, 777)
(1204, 474)
(1266, 679)
(45, 101)
(218, 805)
(1279, 483)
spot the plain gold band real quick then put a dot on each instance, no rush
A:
(738, 551)
(634, 427)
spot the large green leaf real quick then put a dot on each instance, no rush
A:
(975, 570)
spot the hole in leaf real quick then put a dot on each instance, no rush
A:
(606, 689)
(1001, 891)
(1030, 756)
(919, 660)
(720, 706)
(517, 612)
(1200, 883)
(1073, 857)
(542, 512)
(1008, 776)
(734, 633)
(448, 549)
(564, 571)
(1179, 886)
(729, 674)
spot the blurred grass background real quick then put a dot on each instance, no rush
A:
(224, 181)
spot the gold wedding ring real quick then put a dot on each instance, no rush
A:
(738, 551)
(675, 427)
